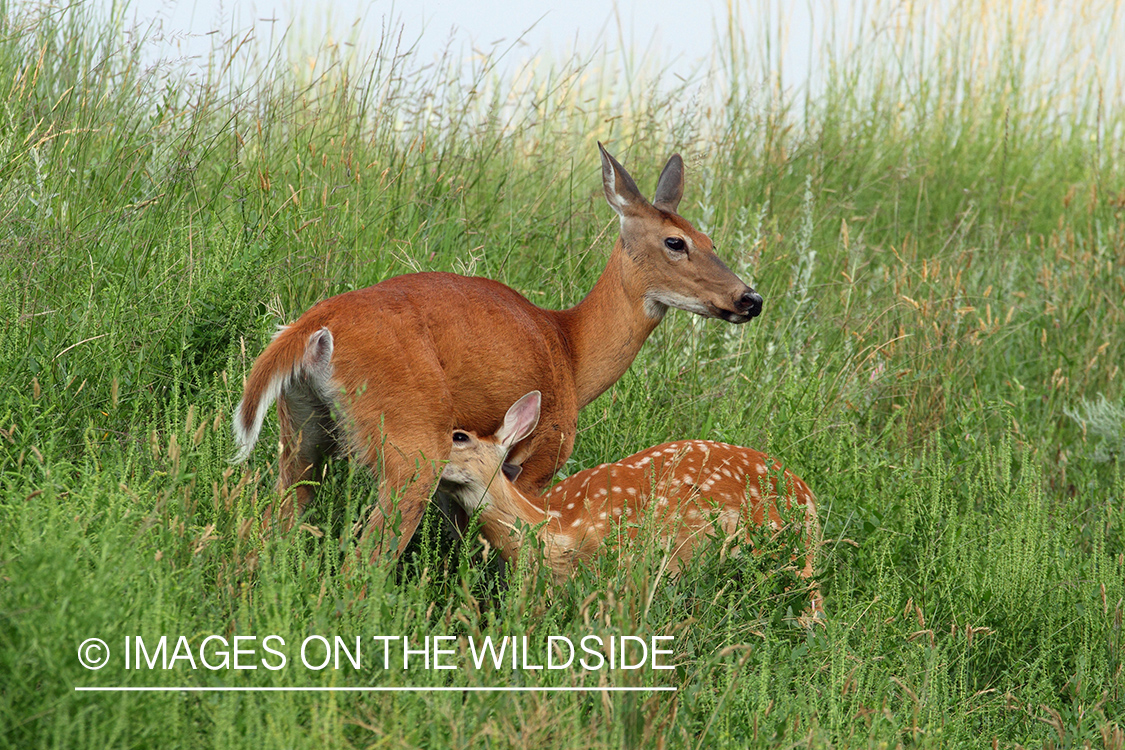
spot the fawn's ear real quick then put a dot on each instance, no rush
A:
(622, 193)
(670, 187)
(520, 420)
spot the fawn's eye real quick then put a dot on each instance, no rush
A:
(675, 244)
(460, 437)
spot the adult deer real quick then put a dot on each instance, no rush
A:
(384, 374)
(685, 486)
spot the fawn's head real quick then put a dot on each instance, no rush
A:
(673, 262)
(476, 463)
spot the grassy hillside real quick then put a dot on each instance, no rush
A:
(937, 226)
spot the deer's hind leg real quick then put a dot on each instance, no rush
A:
(306, 432)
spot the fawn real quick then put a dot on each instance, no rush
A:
(687, 485)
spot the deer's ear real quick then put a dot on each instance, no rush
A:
(520, 420)
(670, 187)
(511, 471)
(620, 191)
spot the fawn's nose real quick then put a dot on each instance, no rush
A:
(750, 304)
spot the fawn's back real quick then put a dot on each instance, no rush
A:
(687, 487)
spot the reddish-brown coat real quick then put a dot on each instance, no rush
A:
(384, 374)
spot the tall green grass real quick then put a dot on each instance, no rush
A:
(937, 224)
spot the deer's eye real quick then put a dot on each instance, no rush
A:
(675, 244)
(460, 437)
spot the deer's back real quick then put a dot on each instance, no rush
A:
(463, 347)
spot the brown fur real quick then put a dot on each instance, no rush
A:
(414, 356)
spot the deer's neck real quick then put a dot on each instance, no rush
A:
(607, 328)
(507, 516)
(508, 510)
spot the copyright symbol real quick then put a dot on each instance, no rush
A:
(93, 653)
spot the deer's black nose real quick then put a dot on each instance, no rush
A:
(750, 304)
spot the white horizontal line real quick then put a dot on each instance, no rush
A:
(442, 689)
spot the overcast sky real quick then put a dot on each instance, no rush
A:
(675, 34)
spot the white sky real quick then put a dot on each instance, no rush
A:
(676, 35)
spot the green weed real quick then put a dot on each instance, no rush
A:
(937, 225)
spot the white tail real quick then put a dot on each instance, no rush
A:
(684, 485)
(385, 373)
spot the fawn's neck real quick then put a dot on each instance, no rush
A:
(507, 515)
(566, 536)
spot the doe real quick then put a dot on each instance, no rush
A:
(384, 374)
